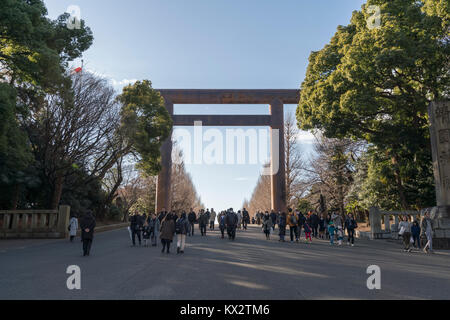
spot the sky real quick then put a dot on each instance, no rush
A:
(210, 44)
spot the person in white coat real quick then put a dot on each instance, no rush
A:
(73, 227)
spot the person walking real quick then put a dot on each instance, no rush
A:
(231, 222)
(167, 232)
(314, 224)
(192, 217)
(136, 226)
(162, 215)
(267, 226)
(273, 217)
(308, 230)
(282, 226)
(245, 218)
(181, 229)
(239, 216)
(203, 222)
(87, 225)
(222, 224)
(301, 221)
(351, 225)
(415, 233)
(337, 221)
(322, 226)
(146, 233)
(427, 231)
(331, 230)
(154, 225)
(405, 231)
(212, 219)
(73, 227)
(293, 225)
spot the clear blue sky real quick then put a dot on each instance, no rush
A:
(242, 44)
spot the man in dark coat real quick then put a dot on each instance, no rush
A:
(314, 224)
(192, 217)
(203, 221)
(87, 225)
(245, 218)
(136, 226)
(231, 221)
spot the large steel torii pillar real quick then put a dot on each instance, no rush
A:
(275, 98)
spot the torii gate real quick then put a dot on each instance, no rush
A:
(275, 98)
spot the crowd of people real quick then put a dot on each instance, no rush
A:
(164, 227)
(320, 226)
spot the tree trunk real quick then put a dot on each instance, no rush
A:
(57, 192)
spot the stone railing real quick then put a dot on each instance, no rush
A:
(390, 231)
(34, 224)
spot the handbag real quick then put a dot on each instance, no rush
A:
(402, 230)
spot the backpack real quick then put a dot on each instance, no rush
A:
(294, 219)
(179, 226)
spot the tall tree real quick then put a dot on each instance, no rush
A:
(145, 123)
(376, 83)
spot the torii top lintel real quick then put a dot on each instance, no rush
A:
(230, 96)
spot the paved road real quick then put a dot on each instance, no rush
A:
(212, 268)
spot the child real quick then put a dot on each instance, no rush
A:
(146, 232)
(340, 235)
(331, 230)
(307, 229)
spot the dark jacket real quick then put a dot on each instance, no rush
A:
(314, 220)
(183, 224)
(273, 217)
(245, 216)
(167, 229)
(136, 222)
(192, 217)
(203, 219)
(231, 220)
(415, 229)
(350, 224)
(87, 222)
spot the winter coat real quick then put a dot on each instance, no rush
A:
(212, 217)
(136, 222)
(331, 229)
(246, 216)
(203, 219)
(155, 226)
(167, 229)
(307, 228)
(185, 226)
(146, 232)
(350, 224)
(314, 220)
(292, 219)
(267, 224)
(322, 224)
(87, 222)
(221, 220)
(282, 221)
(73, 226)
(192, 217)
(415, 229)
(231, 220)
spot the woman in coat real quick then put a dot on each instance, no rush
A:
(73, 227)
(267, 225)
(182, 228)
(167, 232)
(87, 225)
